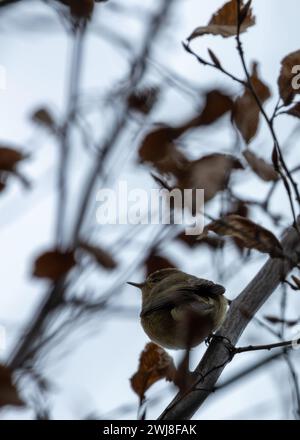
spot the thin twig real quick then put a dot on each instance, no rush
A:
(137, 71)
(217, 67)
(286, 344)
(74, 80)
(268, 121)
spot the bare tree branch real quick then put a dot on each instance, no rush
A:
(241, 311)
(286, 344)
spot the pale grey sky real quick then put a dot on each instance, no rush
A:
(93, 374)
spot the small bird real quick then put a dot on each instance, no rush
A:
(179, 311)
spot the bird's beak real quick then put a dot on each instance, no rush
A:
(138, 285)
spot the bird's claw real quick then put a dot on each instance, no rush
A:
(219, 338)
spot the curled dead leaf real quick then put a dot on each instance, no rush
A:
(43, 117)
(159, 147)
(211, 173)
(246, 112)
(263, 169)
(217, 104)
(224, 21)
(159, 150)
(239, 207)
(250, 234)
(54, 264)
(10, 158)
(156, 262)
(155, 364)
(8, 392)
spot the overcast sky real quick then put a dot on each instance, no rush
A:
(34, 51)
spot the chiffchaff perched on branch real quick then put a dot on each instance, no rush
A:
(179, 310)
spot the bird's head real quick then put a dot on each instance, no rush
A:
(154, 279)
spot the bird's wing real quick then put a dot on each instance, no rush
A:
(202, 287)
(192, 308)
(172, 298)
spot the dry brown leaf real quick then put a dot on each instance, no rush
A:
(8, 392)
(246, 112)
(54, 264)
(143, 100)
(224, 22)
(156, 262)
(102, 257)
(43, 117)
(211, 173)
(286, 90)
(80, 8)
(217, 104)
(239, 208)
(9, 158)
(155, 364)
(250, 234)
(263, 169)
(159, 148)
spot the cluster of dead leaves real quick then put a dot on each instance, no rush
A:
(250, 234)
(224, 22)
(159, 146)
(55, 263)
(246, 116)
(155, 364)
(212, 172)
(8, 392)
